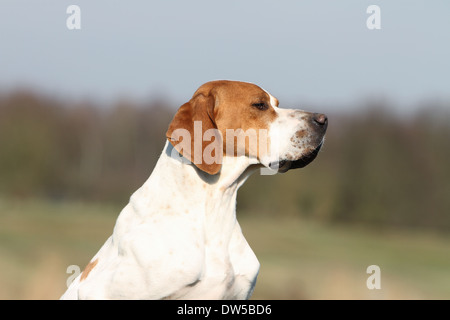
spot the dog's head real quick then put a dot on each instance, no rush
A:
(235, 118)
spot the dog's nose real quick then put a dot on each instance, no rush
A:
(320, 119)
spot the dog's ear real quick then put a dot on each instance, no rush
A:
(192, 120)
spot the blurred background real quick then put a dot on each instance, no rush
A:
(83, 115)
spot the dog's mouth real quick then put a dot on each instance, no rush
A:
(284, 165)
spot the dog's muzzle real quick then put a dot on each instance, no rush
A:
(318, 124)
(286, 165)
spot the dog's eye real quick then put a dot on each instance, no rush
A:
(260, 105)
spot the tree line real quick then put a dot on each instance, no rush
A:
(376, 167)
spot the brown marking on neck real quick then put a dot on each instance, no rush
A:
(88, 269)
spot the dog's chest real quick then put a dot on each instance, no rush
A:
(182, 256)
(230, 275)
(184, 243)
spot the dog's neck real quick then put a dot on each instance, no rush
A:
(234, 172)
(210, 197)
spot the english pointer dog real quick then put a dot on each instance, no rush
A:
(178, 237)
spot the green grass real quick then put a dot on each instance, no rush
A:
(299, 259)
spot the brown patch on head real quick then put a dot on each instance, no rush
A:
(88, 269)
(224, 105)
(235, 106)
(241, 105)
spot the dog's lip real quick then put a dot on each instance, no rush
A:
(285, 165)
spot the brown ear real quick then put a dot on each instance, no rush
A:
(187, 134)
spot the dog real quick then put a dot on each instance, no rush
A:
(178, 237)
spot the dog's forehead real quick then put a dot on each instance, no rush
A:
(234, 90)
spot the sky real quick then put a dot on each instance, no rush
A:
(317, 52)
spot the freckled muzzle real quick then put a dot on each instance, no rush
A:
(285, 165)
(318, 126)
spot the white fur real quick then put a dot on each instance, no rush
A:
(177, 238)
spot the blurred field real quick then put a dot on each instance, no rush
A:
(300, 259)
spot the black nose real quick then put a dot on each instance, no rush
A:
(320, 119)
